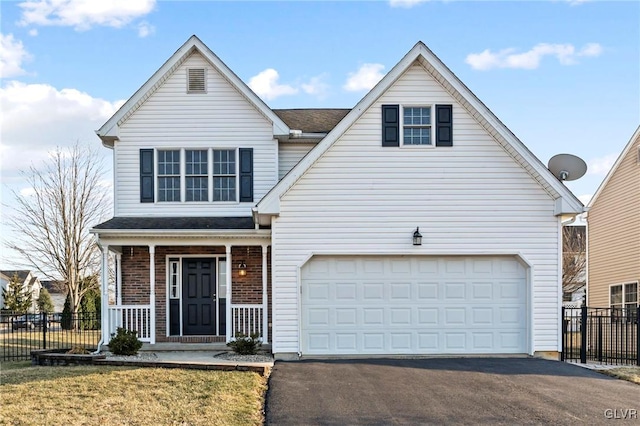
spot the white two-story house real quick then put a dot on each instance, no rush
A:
(414, 223)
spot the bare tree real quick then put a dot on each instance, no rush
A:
(54, 220)
(574, 258)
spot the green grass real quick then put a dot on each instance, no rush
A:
(133, 396)
(631, 374)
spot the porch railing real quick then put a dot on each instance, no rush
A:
(246, 319)
(131, 317)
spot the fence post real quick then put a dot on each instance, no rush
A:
(583, 335)
(638, 335)
(44, 318)
(600, 343)
(564, 334)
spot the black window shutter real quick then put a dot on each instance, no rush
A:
(444, 131)
(246, 174)
(390, 125)
(146, 175)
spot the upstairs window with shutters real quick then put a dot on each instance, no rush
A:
(196, 80)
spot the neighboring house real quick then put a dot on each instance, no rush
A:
(613, 226)
(302, 225)
(58, 293)
(4, 281)
(30, 284)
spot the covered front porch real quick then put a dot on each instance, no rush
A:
(204, 287)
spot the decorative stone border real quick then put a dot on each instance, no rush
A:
(60, 357)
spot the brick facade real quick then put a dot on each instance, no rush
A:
(135, 280)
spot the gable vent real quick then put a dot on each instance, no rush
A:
(196, 83)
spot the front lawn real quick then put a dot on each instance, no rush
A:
(128, 395)
(631, 374)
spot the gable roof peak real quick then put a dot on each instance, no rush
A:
(109, 131)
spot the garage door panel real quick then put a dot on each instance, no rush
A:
(422, 305)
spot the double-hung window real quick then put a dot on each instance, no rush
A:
(224, 175)
(416, 125)
(197, 175)
(623, 299)
(169, 175)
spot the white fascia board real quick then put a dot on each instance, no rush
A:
(615, 166)
(182, 233)
(109, 131)
(270, 202)
(527, 159)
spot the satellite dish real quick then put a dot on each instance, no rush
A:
(567, 167)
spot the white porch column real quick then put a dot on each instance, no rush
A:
(228, 295)
(104, 289)
(152, 291)
(265, 297)
(118, 278)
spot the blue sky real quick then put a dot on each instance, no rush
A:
(564, 76)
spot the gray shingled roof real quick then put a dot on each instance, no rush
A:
(22, 274)
(312, 120)
(177, 223)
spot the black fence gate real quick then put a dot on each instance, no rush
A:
(601, 335)
(20, 334)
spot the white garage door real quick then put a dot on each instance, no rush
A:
(413, 305)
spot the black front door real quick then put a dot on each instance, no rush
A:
(199, 297)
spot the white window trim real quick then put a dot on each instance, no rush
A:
(432, 136)
(183, 179)
(156, 176)
(623, 285)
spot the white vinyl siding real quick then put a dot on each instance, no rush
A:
(362, 198)
(171, 118)
(289, 154)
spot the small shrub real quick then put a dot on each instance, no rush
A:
(246, 345)
(125, 342)
(78, 350)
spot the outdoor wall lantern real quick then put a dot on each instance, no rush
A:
(417, 237)
(242, 268)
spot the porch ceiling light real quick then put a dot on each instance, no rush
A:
(242, 268)
(417, 237)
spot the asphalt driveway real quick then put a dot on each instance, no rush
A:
(446, 391)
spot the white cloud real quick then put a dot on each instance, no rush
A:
(33, 32)
(83, 14)
(12, 55)
(266, 85)
(316, 86)
(367, 76)
(27, 192)
(36, 118)
(602, 165)
(566, 54)
(145, 29)
(405, 3)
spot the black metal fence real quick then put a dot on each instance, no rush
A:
(20, 334)
(601, 335)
